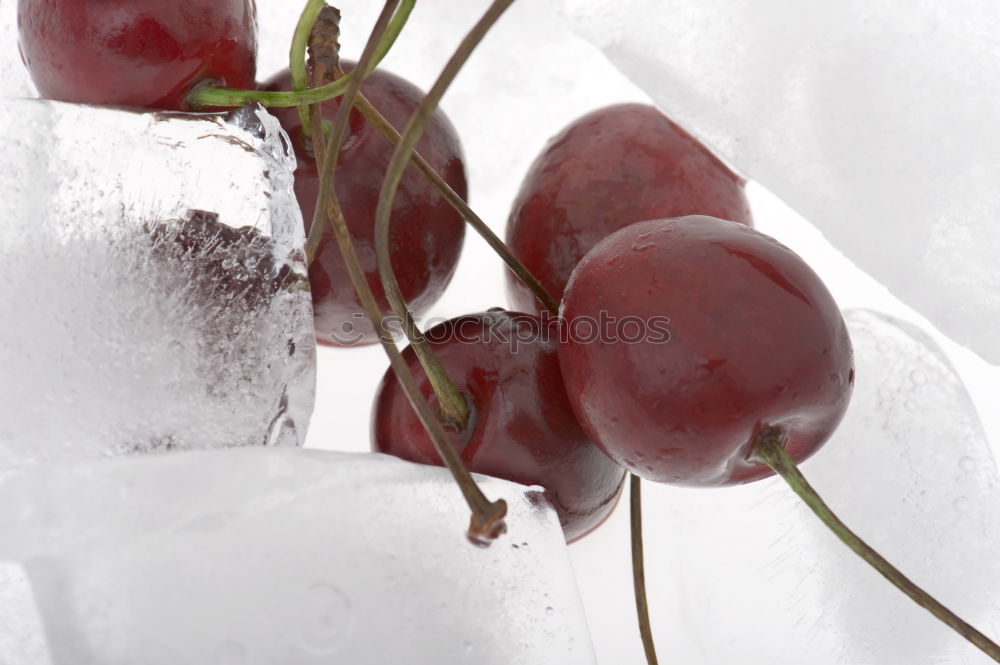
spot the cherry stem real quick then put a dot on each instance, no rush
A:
(639, 571)
(210, 95)
(769, 448)
(297, 55)
(450, 401)
(324, 62)
(475, 221)
(487, 520)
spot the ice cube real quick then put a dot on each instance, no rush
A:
(748, 575)
(154, 293)
(287, 556)
(866, 117)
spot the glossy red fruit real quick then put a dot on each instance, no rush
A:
(615, 166)
(522, 428)
(145, 53)
(426, 234)
(754, 339)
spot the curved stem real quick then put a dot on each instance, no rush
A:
(297, 54)
(458, 203)
(396, 24)
(452, 405)
(487, 521)
(769, 449)
(639, 571)
(209, 95)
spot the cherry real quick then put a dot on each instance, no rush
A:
(521, 426)
(754, 341)
(145, 53)
(426, 235)
(612, 167)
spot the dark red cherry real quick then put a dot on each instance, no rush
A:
(145, 53)
(521, 426)
(612, 167)
(711, 331)
(426, 234)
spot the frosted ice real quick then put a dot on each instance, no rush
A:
(22, 640)
(153, 286)
(869, 118)
(261, 556)
(909, 470)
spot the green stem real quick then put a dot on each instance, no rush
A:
(487, 521)
(769, 449)
(297, 55)
(209, 95)
(451, 403)
(458, 203)
(639, 571)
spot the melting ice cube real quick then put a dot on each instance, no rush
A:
(263, 556)
(153, 288)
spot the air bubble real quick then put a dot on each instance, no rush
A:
(328, 619)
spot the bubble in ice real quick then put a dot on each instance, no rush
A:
(327, 619)
(155, 295)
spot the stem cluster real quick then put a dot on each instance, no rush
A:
(487, 521)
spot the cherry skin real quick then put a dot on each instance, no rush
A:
(144, 53)
(612, 167)
(754, 340)
(521, 426)
(426, 234)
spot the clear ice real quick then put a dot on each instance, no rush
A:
(264, 556)
(871, 119)
(153, 286)
(749, 575)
